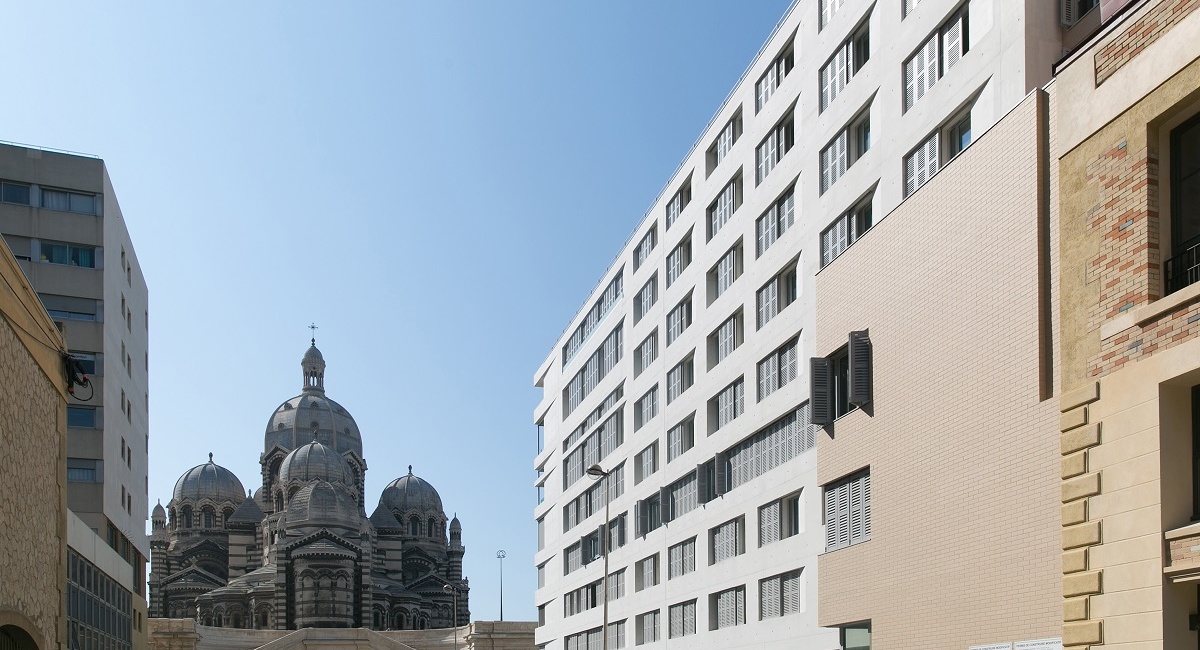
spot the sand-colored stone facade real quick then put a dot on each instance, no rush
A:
(1131, 347)
(33, 537)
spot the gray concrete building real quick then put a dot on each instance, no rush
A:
(60, 217)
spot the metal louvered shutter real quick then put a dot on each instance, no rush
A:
(866, 505)
(952, 41)
(930, 61)
(820, 398)
(791, 593)
(788, 359)
(721, 474)
(768, 597)
(768, 524)
(860, 368)
(831, 539)
(664, 504)
(910, 81)
(767, 376)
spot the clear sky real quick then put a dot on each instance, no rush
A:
(437, 185)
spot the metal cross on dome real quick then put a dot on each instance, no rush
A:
(314, 328)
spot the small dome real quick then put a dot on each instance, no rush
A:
(314, 462)
(313, 357)
(322, 503)
(159, 512)
(409, 493)
(209, 481)
(454, 525)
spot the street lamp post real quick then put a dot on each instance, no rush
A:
(451, 589)
(595, 472)
(500, 555)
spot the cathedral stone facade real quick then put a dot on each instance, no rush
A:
(300, 551)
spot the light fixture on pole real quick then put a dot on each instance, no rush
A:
(451, 589)
(500, 555)
(595, 472)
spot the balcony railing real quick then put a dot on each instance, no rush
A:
(1183, 269)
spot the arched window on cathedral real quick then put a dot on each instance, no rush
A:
(432, 527)
(187, 516)
(208, 516)
(414, 526)
(225, 515)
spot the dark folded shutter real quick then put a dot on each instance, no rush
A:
(819, 393)
(664, 504)
(721, 474)
(860, 368)
(602, 536)
(643, 521)
(585, 550)
(702, 486)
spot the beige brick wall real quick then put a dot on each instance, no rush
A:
(1139, 35)
(963, 450)
(33, 537)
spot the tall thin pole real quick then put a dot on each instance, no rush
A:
(604, 583)
(501, 555)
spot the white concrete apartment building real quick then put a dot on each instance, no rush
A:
(60, 218)
(685, 374)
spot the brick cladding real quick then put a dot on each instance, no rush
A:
(959, 554)
(32, 545)
(1139, 35)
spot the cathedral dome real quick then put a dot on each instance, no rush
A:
(159, 512)
(314, 462)
(409, 493)
(311, 415)
(209, 481)
(322, 503)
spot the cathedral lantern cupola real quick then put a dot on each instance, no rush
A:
(314, 369)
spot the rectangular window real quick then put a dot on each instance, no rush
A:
(647, 572)
(774, 296)
(678, 202)
(679, 319)
(940, 52)
(541, 533)
(646, 353)
(778, 369)
(645, 298)
(616, 584)
(14, 193)
(727, 202)
(681, 438)
(727, 270)
(846, 229)
(647, 627)
(770, 151)
(682, 618)
(856, 636)
(921, 164)
(781, 595)
(834, 160)
(773, 76)
(604, 304)
(727, 405)
(828, 9)
(71, 308)
(848, 511)
(725, 339)
(645, 463)
(596, 368)
(541, 576)
(616, 635)
(642, 251)
(678, 259)
(719, 150)
(779, 519)
(81, 416)
(1183, 267)
(727, 608)
(89, 361)
(64, 201)
(846, 61)
(727, 540)
(775, 221)
(68, 254)
(645, 408)
(957, 134)
(770, 447)
(680, 378)
(681, 559)
(84, 470)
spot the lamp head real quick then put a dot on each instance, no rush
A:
(595, 471)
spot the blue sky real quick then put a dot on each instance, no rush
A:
(436, 185)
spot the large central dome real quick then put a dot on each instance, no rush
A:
(313, 416)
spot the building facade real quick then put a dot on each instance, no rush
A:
(708, 380)
(301, 552)
(60, 218)
(33, 433)
(1127, 107)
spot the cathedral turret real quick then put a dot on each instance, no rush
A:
(314, 369)
(456, 551)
